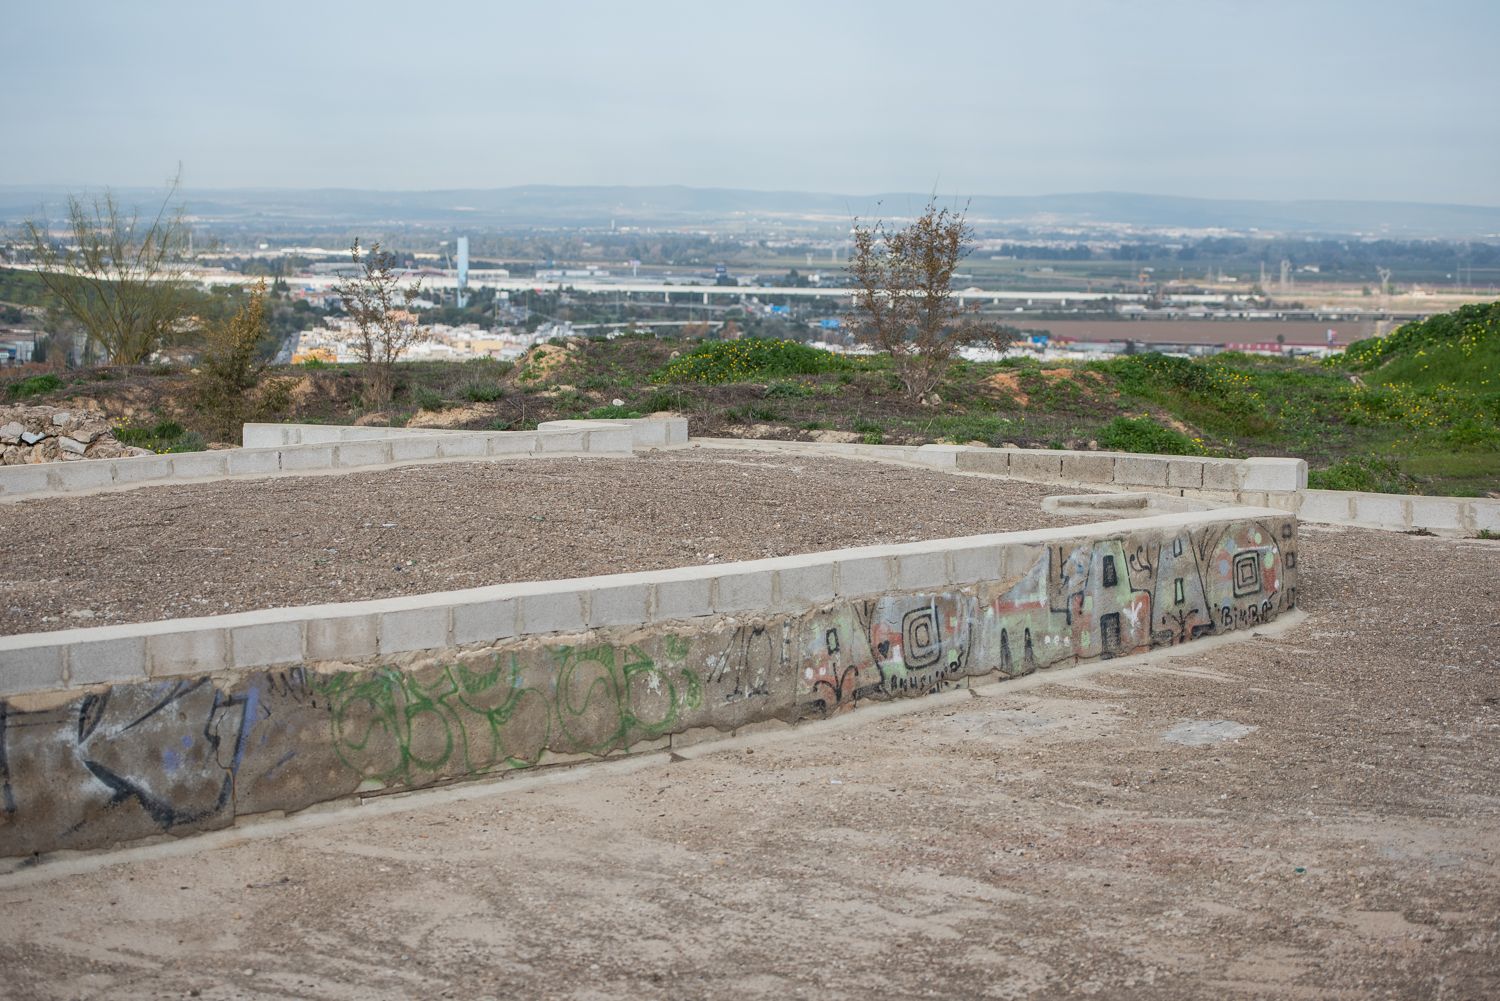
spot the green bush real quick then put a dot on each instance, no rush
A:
(163, 436)
(1367, 474)
(35, 385)
(612, 413)
(787, 391)
(748, 360)
(428, 399)
(482, 392)
(666, 399)
(1142, 434)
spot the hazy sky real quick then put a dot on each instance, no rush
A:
(1249, 98)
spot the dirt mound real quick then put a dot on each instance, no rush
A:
(452, 417)
(542, 362)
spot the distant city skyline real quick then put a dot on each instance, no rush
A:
(1216, 99)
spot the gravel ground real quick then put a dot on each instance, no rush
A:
(1040, 843)
(206, 549)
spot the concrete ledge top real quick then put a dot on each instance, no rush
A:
(698, 573)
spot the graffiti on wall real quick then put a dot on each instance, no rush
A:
(188, 754)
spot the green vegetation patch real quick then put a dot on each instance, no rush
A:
(1458, 350)
(1367, 474)
(163, 436)
(1142, 434)
(749, 360)
(35, 385)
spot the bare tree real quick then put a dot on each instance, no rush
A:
(123, 284)
(904, 303)
(385, 319)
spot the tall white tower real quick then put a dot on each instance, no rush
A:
(463, 271)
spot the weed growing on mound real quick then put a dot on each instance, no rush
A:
(482, 392)
(748, 360)
(1363, 473)
(613, 413)
(1155, 376)
(35, 385)
(163, 436)
(1142, 434)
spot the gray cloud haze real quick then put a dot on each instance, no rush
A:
(1359, 100)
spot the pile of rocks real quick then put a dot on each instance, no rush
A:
(48, 434)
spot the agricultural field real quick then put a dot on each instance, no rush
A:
(1417, 411)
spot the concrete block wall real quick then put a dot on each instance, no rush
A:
(1463, 516)
(273, 449)
(1187, 475)
(283, 708)
(1270, 482)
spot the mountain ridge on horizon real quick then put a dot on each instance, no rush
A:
(597, 205)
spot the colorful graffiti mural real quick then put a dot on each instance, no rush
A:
(175, 756)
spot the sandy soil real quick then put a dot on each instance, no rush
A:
(1045, 843)
(206, 549)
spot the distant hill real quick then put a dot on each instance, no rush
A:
(547, 205)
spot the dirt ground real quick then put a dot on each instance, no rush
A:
(236, 545)
(1341, 840)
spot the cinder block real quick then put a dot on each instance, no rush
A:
(984, 460)
(1273, 475)
(1438, 514)
(1139, 470)
(345, 638)
(559, 441)
(921, 571)
(28, 479)
(618, 606)
(484, 621)
(1486, 515)
(1017, 561)
(682, 599)
(805, 586)
(1088, 467)
(142, 468)
(743, 592)
(414, 449)
(1324, 505)
(254, 461)
(1187, 473)
(1222, 475)
(609, 441)
(414, 629)
(189, 651)
(266, 643)
(647, 433)
(552, 612)
(512, 442)
(975, 564)
(84, 475)
(939, 456)
(864, 575)
(1043, 465)
(198, 465)
(309, 457)
(1381, 511)
(32, 669)
(362, 453)
(98, 661)
(461, 446)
